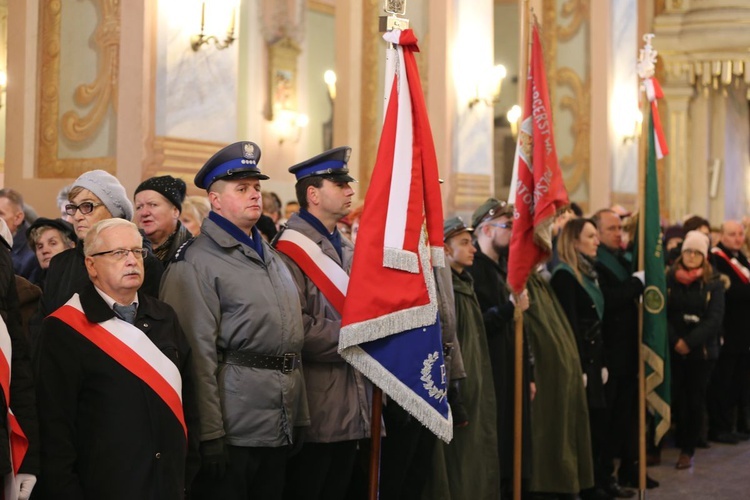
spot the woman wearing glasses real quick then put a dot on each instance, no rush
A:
(695, 310)
(575, 283)
(94, 196)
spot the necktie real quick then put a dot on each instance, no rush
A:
(126, 313)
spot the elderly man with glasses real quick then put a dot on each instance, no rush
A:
(94, 196)
(114, 383)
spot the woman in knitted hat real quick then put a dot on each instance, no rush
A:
(695, 310)
(158, 204)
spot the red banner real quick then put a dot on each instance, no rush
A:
(539, 189)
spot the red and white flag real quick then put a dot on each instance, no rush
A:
(537, 188)
(653, 93)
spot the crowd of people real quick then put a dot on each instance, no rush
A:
(164, 346)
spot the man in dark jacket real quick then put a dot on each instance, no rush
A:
(493, 223)
(114, 384)
(620, 333)
(729, 385)
(22, 396)
(25, 263)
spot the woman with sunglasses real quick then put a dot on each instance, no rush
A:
(695, 311)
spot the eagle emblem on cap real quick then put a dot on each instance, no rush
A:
(248, 151)
(347, 155)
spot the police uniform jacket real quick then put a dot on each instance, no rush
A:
(230, 299)
(105, 433)
(338, 395)
(22, 395)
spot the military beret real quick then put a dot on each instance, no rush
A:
(64, 227)
(454, 226)
(236, 161)
(490, 209)
(331, 164)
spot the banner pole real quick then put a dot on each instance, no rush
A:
(377, 412)
(518, 402)
(641, 357)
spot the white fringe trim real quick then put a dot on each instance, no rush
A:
(400, 393)
(403, 260)
(398, 321)
(438, 256)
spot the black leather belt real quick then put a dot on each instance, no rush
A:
(285, 364)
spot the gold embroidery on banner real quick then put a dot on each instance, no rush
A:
(48, 163)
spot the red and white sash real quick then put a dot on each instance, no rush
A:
(132, 349)
(326, 273)
(19, 444)
(737, 267)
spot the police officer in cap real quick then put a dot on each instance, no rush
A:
(240, 310)
(338, 395)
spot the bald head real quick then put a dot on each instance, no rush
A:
(732, 235)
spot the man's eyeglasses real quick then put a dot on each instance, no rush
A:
(502, 225)
(86, 208)
(121, 253)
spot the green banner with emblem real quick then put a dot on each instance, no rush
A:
(655, 337)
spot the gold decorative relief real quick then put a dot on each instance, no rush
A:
(372, 48)
(576, 164)
(180, 158)
(49, 165)
(471, 190)
(103, 90)
(579, 11)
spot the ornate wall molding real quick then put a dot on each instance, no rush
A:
(471, 190)
(576, 16)
(104, 89)
(372, 49)
(180, 158)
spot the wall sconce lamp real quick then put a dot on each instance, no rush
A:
(330, 78)
(288, 125)
(487, 89)
(513, 115)
(628, 126)
(197, 41)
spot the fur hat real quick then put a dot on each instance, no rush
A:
(108, 189)
(697, 241)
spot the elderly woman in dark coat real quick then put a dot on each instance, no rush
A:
(158, 204)
(575, 284)
(695, 310)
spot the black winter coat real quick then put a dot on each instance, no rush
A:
(736, 332)
(695, 313)
(587, 328)
(22, 395)
(105, 433)
(620, 322)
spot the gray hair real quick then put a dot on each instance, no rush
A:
(92, 242)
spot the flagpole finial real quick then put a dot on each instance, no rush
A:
(395, 9)
(647, 58)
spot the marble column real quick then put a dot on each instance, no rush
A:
(678, 166)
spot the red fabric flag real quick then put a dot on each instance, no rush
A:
(539, 189)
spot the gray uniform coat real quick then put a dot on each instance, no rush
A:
(228, 298)
(339, 397)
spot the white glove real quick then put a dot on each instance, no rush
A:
(25, 483)
(605, 374)
(585, 380)
(641, 275)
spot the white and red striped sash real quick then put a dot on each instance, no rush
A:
(19, 444)
(133, 350)
(325, 273)
(741, 271)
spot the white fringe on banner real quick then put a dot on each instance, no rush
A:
(403, 260)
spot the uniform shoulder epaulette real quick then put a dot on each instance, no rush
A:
(182, 251)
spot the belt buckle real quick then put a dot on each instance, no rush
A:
(289, 362)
